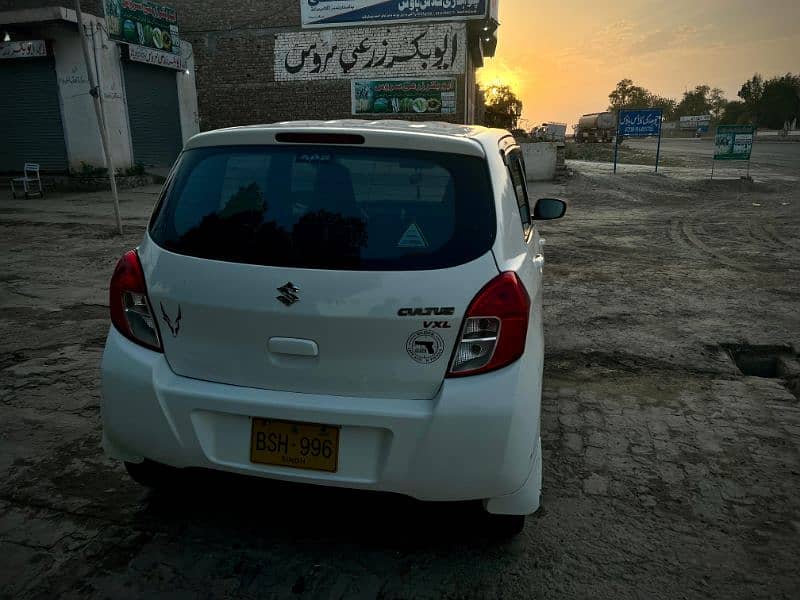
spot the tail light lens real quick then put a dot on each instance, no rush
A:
(495, 328)
(131, 312)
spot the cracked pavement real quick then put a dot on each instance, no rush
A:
(668, 474)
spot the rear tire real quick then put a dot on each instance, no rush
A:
(506, 526)
(152, 474)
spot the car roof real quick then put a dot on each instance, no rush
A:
(387, 133)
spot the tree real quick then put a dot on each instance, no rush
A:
(772, 103)
(667, 106)
(502, 107)
(699, 102)
(628, 95)
(735, 113)
(751, 92)
(780, 101)
(718, 102)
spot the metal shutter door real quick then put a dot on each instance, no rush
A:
(30, 116)
(153, 113)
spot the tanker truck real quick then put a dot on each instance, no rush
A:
(596, 127)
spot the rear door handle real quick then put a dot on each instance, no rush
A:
(293, 346)
(538, 260)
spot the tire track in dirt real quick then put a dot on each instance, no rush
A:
(756, 231)
(770, 231)
(684, 234)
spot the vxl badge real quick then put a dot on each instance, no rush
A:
(290, 294)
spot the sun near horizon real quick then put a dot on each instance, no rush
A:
(563, 58)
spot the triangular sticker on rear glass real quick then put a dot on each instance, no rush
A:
(413, 238)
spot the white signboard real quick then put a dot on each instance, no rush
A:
(377, 52)
(26, 49)
(156, 57)
(341, 13)
(743, 143)
(695, 121)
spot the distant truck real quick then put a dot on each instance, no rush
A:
(596, 127)
(550, 132)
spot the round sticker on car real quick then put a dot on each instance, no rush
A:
(425, 346)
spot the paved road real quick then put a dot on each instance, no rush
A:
(782, 157)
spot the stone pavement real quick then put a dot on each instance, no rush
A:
(668, 474)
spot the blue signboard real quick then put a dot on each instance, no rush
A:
(340, 13)
(639, 123)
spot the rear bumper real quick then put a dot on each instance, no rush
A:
(477, 439)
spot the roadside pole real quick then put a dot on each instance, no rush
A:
(94, 91)
(616, 149)
(658, 148)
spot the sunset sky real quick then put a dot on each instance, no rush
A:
(563, 57)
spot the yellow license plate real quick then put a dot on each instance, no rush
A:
(296, 445)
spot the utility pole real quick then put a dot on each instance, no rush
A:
(94, 90)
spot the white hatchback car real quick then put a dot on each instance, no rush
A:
(343, 303)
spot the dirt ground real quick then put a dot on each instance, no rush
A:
(668, 474)
(770, 159)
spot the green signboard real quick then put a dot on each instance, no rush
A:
(404, 96)
(144, 23)
(733, 142)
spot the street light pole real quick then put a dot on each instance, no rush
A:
(98, 109)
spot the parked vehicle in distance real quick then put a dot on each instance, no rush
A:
(550, 132)
(596, 127)
(343, 303)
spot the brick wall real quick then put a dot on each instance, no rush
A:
(216, 15)
(94, 7)
(234, 52)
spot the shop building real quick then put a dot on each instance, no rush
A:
(261, 62)
(47, 114)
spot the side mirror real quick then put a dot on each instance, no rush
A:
(547, 209)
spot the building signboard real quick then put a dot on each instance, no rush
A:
(409, 96)
(23, 49)
(733, 142)
(340, 13)
(415, 51)
(639, 123)
(144, 23)
(156, 57)
(695, 122)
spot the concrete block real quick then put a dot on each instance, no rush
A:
(540, 160)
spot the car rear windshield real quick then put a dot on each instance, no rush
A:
(328, 207)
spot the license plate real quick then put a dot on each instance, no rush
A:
(296, 445)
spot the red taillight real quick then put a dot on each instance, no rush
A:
(495, 328)
(131, 313)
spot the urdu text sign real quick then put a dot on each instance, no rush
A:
(639, 123)
(341, 13)
(25, 49)
(143, 23)
(430, 96)
(733, 142)
(416, 51)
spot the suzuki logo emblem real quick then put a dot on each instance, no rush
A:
(290, 294)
